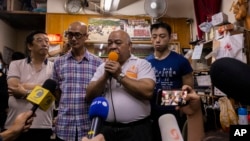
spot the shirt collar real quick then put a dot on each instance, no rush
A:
(28, 59)
(86, 55)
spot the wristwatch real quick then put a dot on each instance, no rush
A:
(120, 77)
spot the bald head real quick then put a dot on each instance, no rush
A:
(121, 35)
(78, 25)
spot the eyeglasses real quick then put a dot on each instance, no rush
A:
(40, 40)
(77, 35)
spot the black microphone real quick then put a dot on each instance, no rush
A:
(42, 97)
(98, 112)
(232, 77)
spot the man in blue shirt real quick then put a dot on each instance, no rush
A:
(172, 71)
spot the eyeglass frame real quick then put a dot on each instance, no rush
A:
(73, 34)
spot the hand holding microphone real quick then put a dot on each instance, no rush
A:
(98, 112)
(112, 65)
(42, 97)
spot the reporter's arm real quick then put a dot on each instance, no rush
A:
(194, 114)
(21, 124)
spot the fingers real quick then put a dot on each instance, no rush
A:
(99, 137)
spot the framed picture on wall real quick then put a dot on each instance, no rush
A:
(175, 46)
(100, 28)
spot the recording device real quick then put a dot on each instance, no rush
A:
(172, 97)
(232, 77)
(113, 56)
(42, 97)
(169, 128)
(98, 112)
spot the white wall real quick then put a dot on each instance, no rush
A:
(7, 36)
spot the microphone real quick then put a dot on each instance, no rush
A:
(42, 97)
(113, 56)
(232, 77)
(169, 128)
(98, 112)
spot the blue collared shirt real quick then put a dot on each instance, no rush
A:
(73, 78)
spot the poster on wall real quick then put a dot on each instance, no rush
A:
(100, 28)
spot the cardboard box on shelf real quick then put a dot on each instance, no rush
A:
(219, 19)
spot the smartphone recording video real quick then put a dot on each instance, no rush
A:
(173, 97)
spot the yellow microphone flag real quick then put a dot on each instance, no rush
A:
(41, 97)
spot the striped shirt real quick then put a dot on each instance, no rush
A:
(73, 78)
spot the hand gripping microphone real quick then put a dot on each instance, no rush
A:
(98, 112)
(232, 77)
(42, 96)
(169, 128)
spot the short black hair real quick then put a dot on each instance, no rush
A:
(161, 25)
(30, 37)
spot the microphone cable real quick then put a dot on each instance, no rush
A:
(111, 96)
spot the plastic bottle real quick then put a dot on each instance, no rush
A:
(243, 116)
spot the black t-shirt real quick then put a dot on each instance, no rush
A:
(3, 98)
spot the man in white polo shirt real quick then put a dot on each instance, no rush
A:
(129, 86)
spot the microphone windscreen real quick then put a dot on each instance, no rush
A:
(99, 108)
(169, 128)
(232, 77)
(113, 56)
(50, 85)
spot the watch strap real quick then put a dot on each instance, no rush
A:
(120, 77)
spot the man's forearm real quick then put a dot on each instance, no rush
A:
(95, 88)
(195, 127)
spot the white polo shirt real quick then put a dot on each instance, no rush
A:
(123, 105)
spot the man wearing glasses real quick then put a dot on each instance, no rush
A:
(73, 72)
(22, 77)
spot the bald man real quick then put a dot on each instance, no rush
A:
(129, 86)
(73, 72)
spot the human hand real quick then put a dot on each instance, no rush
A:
(99, 137)
(17, 90)
(194, 102)
(22, 122)
(112, 68)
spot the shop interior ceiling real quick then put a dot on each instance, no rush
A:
(31, 21)
(95, 5)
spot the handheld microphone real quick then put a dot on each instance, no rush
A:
(113, 56)
(42, 96)
(232, 77)
(169, 128)
(98, 112)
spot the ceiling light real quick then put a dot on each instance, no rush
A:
(107, 5)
